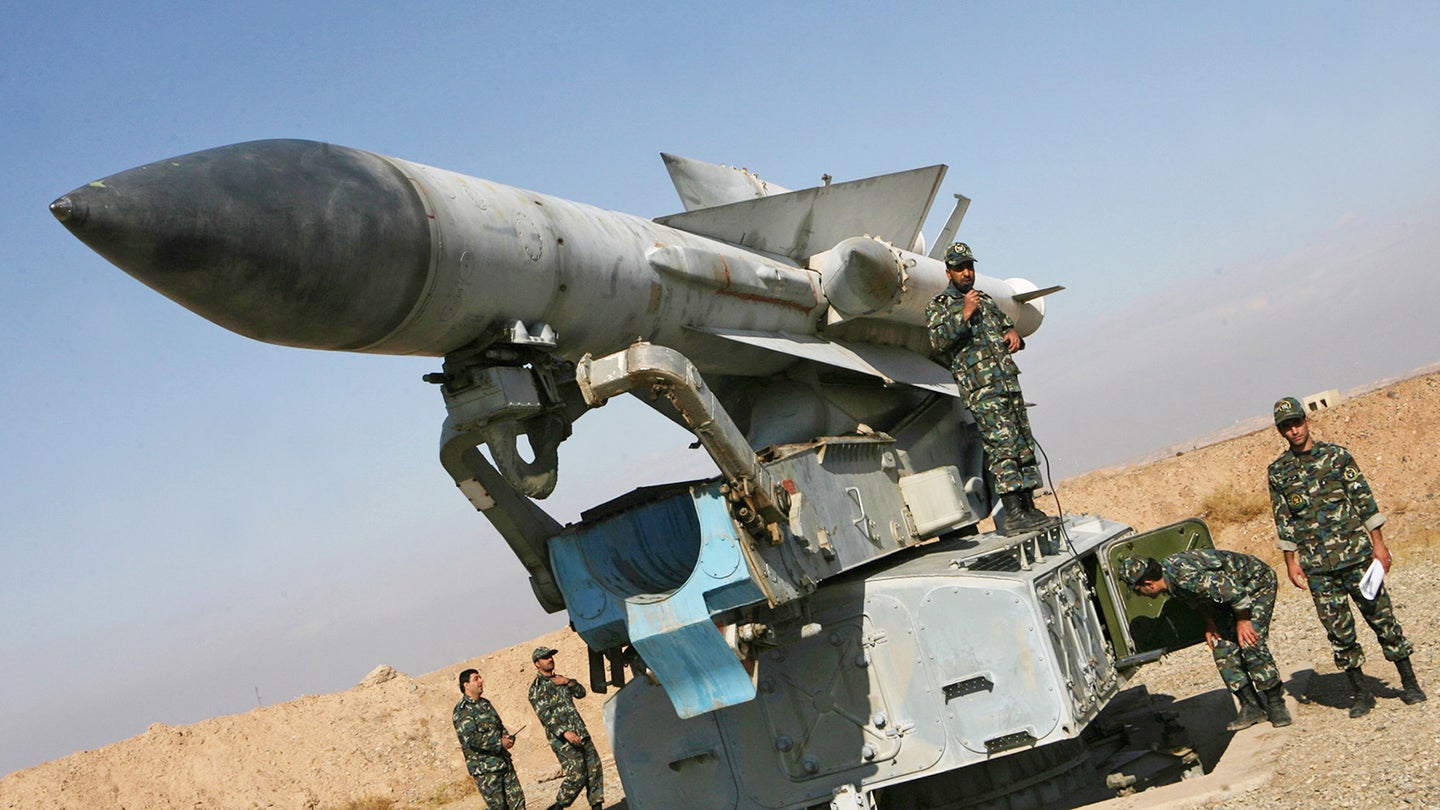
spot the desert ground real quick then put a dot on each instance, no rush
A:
(387, 743)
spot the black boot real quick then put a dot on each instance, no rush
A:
(1250, 710)
(1017, 519)
(1364, 701)
(1275, 706)
(1412, 693)
(1028, 499)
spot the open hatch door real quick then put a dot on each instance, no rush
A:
(1144, 629)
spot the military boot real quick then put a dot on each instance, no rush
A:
(1017, 520)
(1412, 693)
(1275, 706)
(1250, 712)
(1364, 701)
(1028, 499)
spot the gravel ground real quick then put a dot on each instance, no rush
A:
(1386, 759)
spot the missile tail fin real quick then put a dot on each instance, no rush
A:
(707, 185)
(947, 234)
(1021, 298)
(892, 364)
(799, 224)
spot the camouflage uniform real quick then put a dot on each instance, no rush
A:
(1324, 512)
(579, 764)
(1219, 583)
(479, 728)
(989, 384)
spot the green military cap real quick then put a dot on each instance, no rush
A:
(1134, 570)
(1287, 409)
(958, 254)
(542, 652)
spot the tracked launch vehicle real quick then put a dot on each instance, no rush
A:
(821, 624)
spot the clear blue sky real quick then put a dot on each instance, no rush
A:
(1241, 198)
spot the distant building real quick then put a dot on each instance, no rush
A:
(1322, 400)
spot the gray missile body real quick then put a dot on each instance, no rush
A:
(308, 244)
(325, 247)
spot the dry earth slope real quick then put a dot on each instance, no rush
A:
(388, 743)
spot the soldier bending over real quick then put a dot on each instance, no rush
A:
(1236, 594)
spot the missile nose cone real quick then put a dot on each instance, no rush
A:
(65, 210)
(292, 242)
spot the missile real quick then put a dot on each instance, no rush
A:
(325, 247)
(803, 311)
(781, 299)
(318, 246)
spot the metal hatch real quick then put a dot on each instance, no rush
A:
(1143, 629)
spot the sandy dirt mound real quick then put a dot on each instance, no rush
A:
(388, 742)
(387, 739)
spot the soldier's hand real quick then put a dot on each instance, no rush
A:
(572, 738)
(508, 740)
(1245, 632)
(1297, 577)
(1012, 341)
(972, 303)
(1379, 550)
(559, 680)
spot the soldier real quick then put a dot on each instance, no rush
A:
(553, 696)
(486, 745)
(1236, 594)
(1329, 529)
(976, 340)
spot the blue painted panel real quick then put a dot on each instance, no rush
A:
(652, 576)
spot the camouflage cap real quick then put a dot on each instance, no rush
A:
(958, 254)
(1287, 409)
(542, 652)
(1132, 570)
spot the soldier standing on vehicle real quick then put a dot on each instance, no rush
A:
(486, 745)
(976, 340)
(553, 696)
(1329, 529)
(1236, 594)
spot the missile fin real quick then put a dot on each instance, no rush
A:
(799, 224)
(1023, 297)
(707, 185)
(894, 365)
(947, 234)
